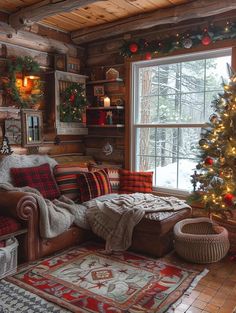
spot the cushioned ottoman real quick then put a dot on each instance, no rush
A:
(154, 234)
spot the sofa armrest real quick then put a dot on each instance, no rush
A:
(24, 208)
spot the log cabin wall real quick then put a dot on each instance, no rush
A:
(42, 44)
(106, 54)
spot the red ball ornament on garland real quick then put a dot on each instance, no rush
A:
(148, 56)
(208, 161)
(206, 39)
(72, 98)
(133, 47)
(228, 198)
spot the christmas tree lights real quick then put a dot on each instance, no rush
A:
(214, 180)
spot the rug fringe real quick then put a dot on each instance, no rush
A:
(188, 290)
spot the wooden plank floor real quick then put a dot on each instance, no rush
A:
(215, 293)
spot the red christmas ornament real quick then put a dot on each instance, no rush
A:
(206, 39)
(133, 47)
(228, 198)
(209, 161)
(72, 98)
(148, 56)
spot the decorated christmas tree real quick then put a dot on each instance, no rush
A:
(214, 180)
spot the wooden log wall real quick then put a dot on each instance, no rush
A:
(44, 55)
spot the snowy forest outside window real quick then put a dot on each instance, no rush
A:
(171, 103)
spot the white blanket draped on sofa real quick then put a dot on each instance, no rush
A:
(111, 217)
(55, 216)
(114, 218)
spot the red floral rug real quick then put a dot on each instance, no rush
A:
(85, 279)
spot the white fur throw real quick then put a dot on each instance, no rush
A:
(16, 160)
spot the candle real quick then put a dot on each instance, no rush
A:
(107, 101)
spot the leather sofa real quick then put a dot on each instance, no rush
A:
(153, 235)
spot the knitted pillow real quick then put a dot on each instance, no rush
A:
(135, 181)
(66, 178)
(38, 177)
(113, 174)
(93, 184)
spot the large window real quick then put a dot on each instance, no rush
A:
(171, 103)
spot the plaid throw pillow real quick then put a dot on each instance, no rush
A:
(135, 181)
(38, 177)
(93, 184)
(8, 225)
(113, 174)
(66, 178)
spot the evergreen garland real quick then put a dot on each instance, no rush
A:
(186, 40)
(23, 65)
(73, 103)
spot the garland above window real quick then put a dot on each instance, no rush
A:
(20, 71)
(73, 103)
(185, 40)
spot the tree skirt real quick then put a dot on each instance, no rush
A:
(86, 279)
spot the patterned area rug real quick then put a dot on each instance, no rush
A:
(86, 279)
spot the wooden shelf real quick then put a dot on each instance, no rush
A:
(105, 81)
(112, 107)
(16, 233)
(106, 126)
(104, 136)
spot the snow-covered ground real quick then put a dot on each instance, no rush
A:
(167, 176)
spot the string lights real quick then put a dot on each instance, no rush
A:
(214, 180)
(201, 36)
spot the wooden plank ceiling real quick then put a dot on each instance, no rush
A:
(89, 20)
(94, 14)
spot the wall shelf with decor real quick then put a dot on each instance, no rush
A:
(105, 81)
(106, 108)
(107, 126)
(106, 117)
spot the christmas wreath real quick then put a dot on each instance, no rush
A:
(73, 103)
(24, 66)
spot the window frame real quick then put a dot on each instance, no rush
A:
(135, 66)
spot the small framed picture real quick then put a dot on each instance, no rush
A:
(13, 131)
(60, 62)
(98, 91)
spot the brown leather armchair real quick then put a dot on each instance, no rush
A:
(24, 208)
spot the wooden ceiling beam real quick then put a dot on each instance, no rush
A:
(34, 13)
(193, 10)
(36, 42)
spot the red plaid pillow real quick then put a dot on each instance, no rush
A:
(135, 181)
(93, 184)
(39, 177)
(8, 225)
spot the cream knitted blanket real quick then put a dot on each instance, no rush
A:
(114, 219)
(55, 216)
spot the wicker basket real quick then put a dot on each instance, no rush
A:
(198, 240)
(8, 258)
